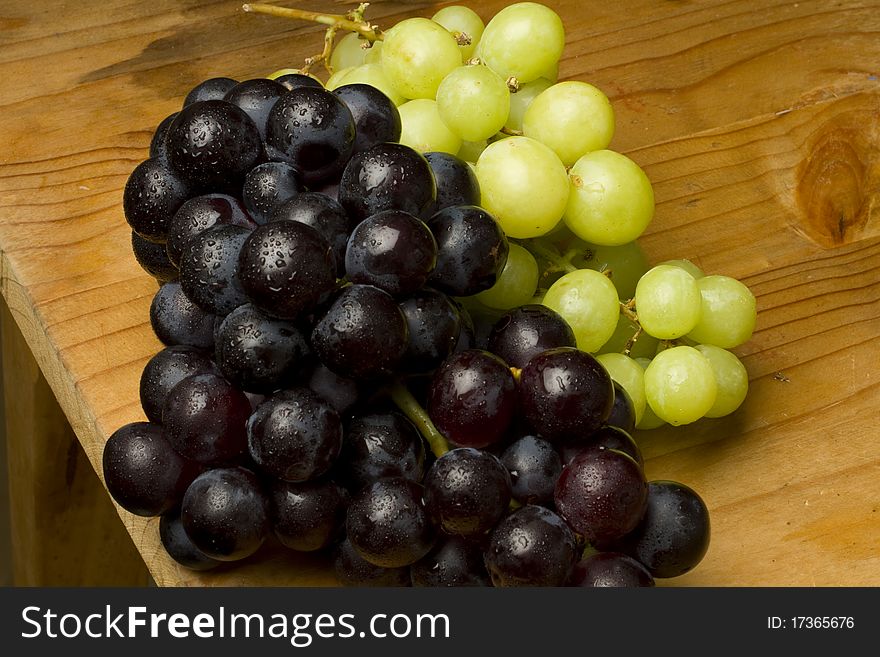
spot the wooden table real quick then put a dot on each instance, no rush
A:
(757, 121)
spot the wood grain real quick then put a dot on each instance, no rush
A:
(757, 122)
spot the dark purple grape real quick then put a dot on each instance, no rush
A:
(454, 561)
(606, 437)
(225, 513)
(152, 194)
(388, 525)
(153, 259)
(143, 472)
(165, 370)
(362, 335)
(200, 213)
(392, 250)
(601, 494)
(467, 491)
(267, 186)
(623, 414)
(352, 569)
(456, 183)
(340, 392)
(524, 332)
(534, 467)
(314, 129)
(308, 516)
(293, 80)
(209, 271)
(565, 394)
(178, 321)
(472, 399)
(212, 144)
(610, 570)
(381, 445)
(286, 268)
(157, 143)
(256, 97)
(531, 547)
(204, 418)
(210, 89)
(179, 546)
(673, 536)
(386, 177)
(259, 353)
(294, 435)
(376, 118)
(471, 250)
(324, 215)
(434, 327)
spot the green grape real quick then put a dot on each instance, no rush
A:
(520, 101)
(338, 78)
(644, 346)
(523, 185)
(611, 201)
(552, 73)
(626, 263)
(417, 54)
(668, 302)
(474, 102)
(470, 150)
(629, 374)
(731, 377)
(459, 20)
(424, 130)
(523, 41)
(373, 75)
(374, 53)
(649, 419)
(348, 52)
(729, 312)
(573, 118)
(517, 283)
(687, 265)
(588, 301)
(680, 385)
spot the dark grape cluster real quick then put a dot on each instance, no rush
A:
(323, 384)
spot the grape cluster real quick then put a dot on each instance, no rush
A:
(406, 321)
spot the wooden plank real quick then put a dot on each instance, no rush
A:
(64, 529)
(756, 121)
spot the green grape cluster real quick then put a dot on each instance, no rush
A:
(489, 94)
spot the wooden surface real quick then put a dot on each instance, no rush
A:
(65, 529)
(757, 122)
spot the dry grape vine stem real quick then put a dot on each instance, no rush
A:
(352, 21)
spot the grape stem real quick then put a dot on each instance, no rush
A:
(628, 310)
(462, 38)
(557, 261)
(352, 22)
(410, 407)
(628, 347)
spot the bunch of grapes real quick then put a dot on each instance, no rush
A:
(407, 322)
